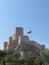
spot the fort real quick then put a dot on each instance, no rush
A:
(22, 43)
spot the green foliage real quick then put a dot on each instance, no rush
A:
(8, 58)
(16, 54)
(2, 54)
(31, 60)
(38, 61)
(1, 64)
(34, 60)
(45, 55)
(9, 52)
(22, 61)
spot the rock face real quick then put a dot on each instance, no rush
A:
(22, 43)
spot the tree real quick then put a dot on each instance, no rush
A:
(8, 58)
(38, 61)
(2, 54)
(16, 54)
(9, 52)
(45, 55)
(31, 60)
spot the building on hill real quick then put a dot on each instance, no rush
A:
(21, 42)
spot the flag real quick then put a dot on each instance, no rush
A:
(29, 32)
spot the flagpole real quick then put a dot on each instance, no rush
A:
(30, 34)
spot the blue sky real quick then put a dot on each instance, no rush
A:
(30, 14)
